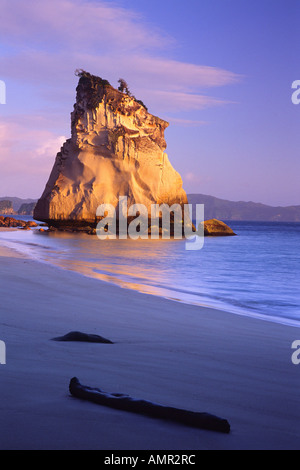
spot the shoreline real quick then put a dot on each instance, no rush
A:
(167, 352)
(154, 290)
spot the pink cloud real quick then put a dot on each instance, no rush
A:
(84, 24)
(179, 76)
(166, 101)
(166, 74)
(30, 154)
(185, 122)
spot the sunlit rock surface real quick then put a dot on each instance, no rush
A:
(117, 148)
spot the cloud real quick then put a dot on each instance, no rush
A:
(49, 40)
(166, 101)
(48, 148)
(168, 83)
(80, 24)
(180, 76)
(29, 152)
(23, 145)
(185, 122)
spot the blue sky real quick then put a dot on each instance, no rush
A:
(220, 71)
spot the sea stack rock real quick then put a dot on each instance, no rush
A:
(117, 148)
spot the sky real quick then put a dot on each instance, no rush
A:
(219, 71)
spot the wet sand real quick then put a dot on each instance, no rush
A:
(164, 351)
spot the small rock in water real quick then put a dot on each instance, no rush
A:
(216, 228)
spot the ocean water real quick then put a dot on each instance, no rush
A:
(256, 273)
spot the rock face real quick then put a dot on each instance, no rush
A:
(116, 149)
(216, 228)
(27, 209)
(6, 207)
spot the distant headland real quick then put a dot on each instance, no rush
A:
(10, 205)
(215, 208)
(223, 209)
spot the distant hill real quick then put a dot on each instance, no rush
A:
(228, 210)
(17, 202)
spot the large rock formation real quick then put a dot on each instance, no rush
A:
(116, 149)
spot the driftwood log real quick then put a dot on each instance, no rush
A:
(154, 410)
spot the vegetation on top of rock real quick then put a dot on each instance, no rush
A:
(142, 104)
(93, 86)
(91, 78)
(123, 88)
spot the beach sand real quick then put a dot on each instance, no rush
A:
(168, 352)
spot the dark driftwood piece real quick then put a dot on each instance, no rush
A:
(154, 410)
(83, 337)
